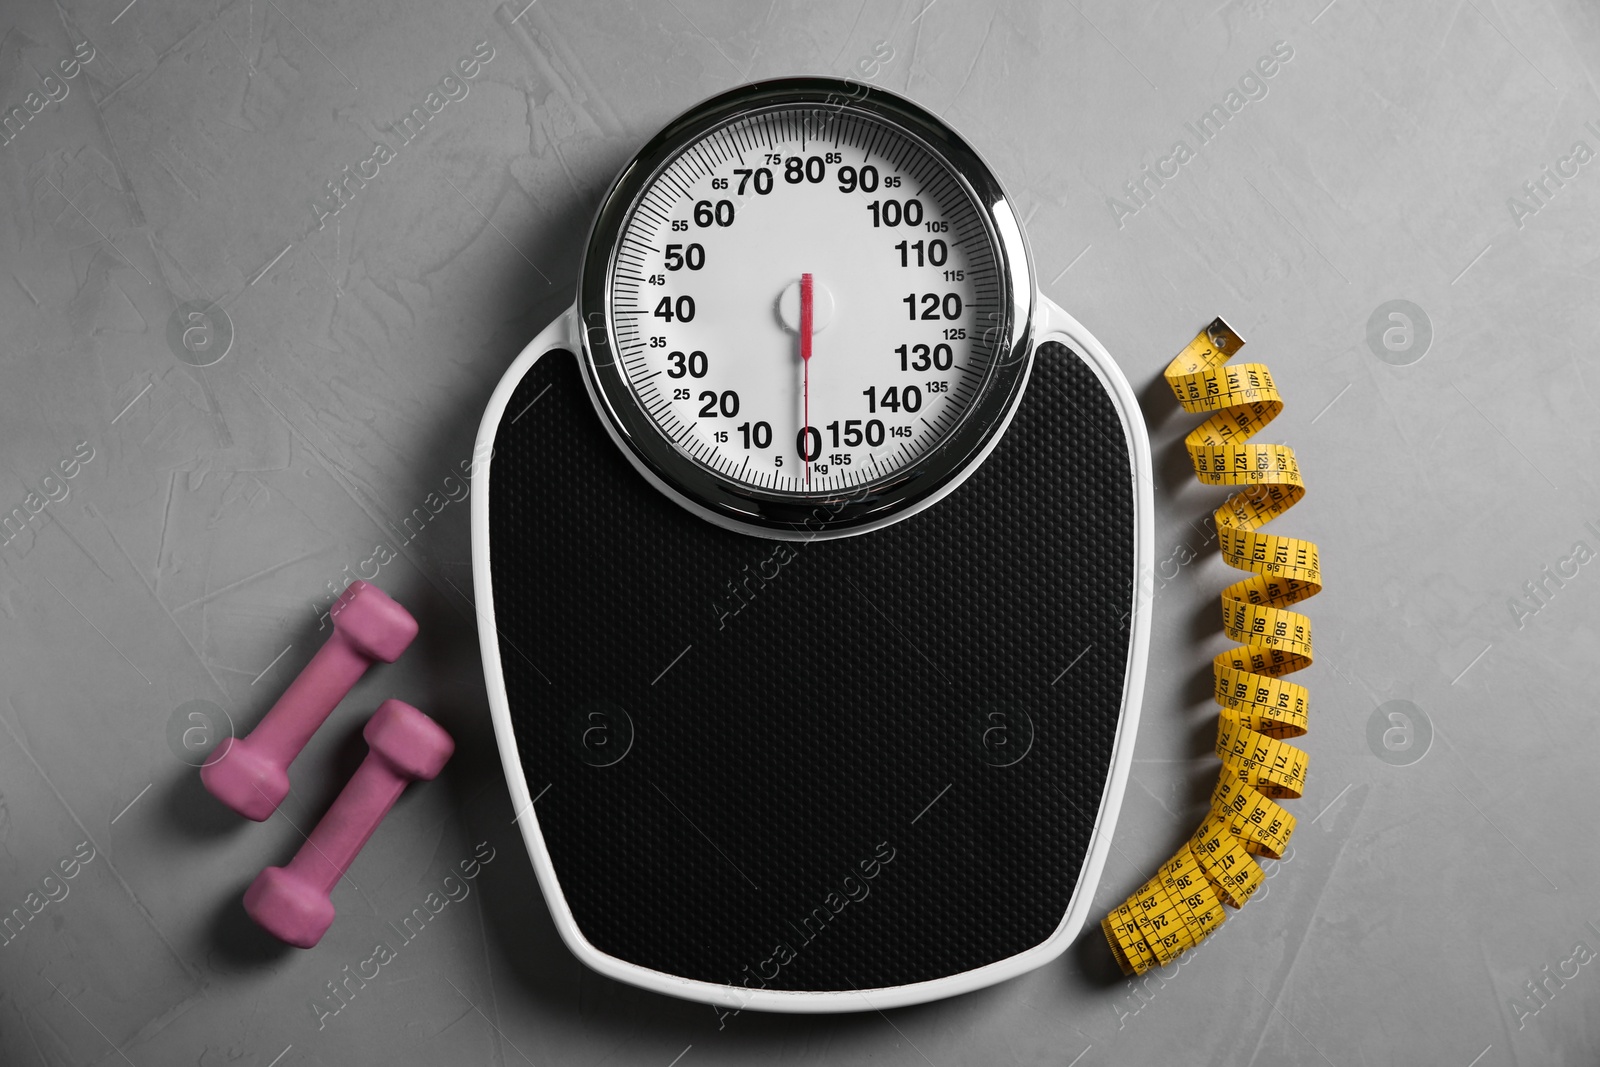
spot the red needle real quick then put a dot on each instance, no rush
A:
(805, 359)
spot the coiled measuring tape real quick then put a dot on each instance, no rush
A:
(1183, 903)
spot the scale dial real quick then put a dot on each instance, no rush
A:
(806, 306)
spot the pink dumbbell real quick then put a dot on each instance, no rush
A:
(251, 775)
(292, 903)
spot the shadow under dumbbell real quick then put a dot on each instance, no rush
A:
(196, 813)
(236, 936)
(325, 773)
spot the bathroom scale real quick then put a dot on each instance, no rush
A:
(805, 551)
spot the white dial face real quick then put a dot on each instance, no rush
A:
(804, 300)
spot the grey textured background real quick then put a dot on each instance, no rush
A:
(189, 558)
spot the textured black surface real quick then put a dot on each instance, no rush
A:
(779, 748)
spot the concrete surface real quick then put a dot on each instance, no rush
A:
(1445, 866)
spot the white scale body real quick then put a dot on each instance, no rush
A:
(780, 430)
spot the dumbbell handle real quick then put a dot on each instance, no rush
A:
(295, 903)
(310, 699)
(356, 813)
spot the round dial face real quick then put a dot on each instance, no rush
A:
(802, 308)
(806, 298)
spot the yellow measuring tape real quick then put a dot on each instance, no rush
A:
(1177, 908)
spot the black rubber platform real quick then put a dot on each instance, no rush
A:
(819, 784)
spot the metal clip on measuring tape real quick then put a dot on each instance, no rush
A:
(1182, 904)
